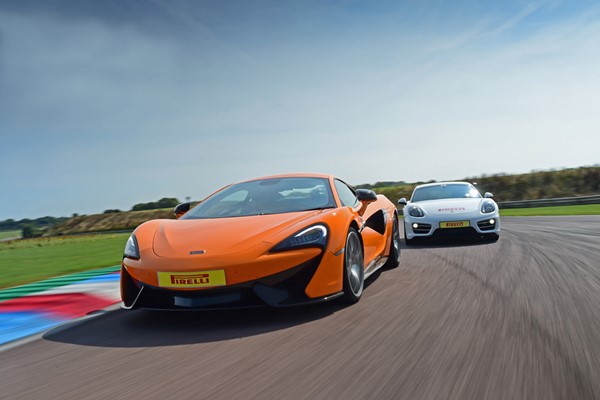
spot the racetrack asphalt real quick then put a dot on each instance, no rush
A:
(516, 319)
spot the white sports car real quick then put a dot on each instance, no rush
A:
(450, 209)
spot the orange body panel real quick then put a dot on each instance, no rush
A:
(242, 246)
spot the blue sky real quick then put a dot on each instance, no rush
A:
(104, 104)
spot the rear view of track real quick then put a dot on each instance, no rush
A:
(516, 319)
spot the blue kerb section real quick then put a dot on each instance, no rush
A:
(17, 325)
(20, 324)
(101, 279)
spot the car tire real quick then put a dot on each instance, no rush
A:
(354, 268)
(394, 257)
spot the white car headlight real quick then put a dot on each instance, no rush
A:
(415, 211)
(488, 207)
(313, 236)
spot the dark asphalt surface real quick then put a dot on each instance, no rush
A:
(516, 319)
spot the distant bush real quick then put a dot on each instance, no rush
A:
(165, 202)
(29, 232)
(111, 211)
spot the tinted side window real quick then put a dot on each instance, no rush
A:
(347, 195)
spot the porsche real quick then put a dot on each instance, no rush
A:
(276, 241)
(450, 209)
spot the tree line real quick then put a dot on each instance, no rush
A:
(569, 182)
(165, 202)
(31, 228)
(542, 184)
(38, 223)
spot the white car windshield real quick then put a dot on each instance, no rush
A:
(445, 191)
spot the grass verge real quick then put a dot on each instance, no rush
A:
(584, 209)
(9, 234)
(31, 260)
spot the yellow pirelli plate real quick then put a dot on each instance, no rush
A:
(454, 224)
(197, 279)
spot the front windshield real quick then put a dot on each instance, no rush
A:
(445, 191)
(265, 196)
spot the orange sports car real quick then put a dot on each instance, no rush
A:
(278, 241)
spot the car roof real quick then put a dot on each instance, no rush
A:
(292, 175)
(443, 183)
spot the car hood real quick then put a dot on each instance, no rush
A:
(218, 236)
(450, 206)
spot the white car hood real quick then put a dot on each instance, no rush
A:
(450, 206)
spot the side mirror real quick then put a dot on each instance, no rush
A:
(366, 195)
(488, 195)
(181, 209)
(402, 201)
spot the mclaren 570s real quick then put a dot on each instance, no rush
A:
(277, 241)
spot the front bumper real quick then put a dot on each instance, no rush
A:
(430, 225)
(282, 289)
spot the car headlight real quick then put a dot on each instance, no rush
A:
(313, 236)
(132, 249)
(415, 211)
(488, 207)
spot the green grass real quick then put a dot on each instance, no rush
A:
(9, 234)
(584, 209)
(26, 261)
